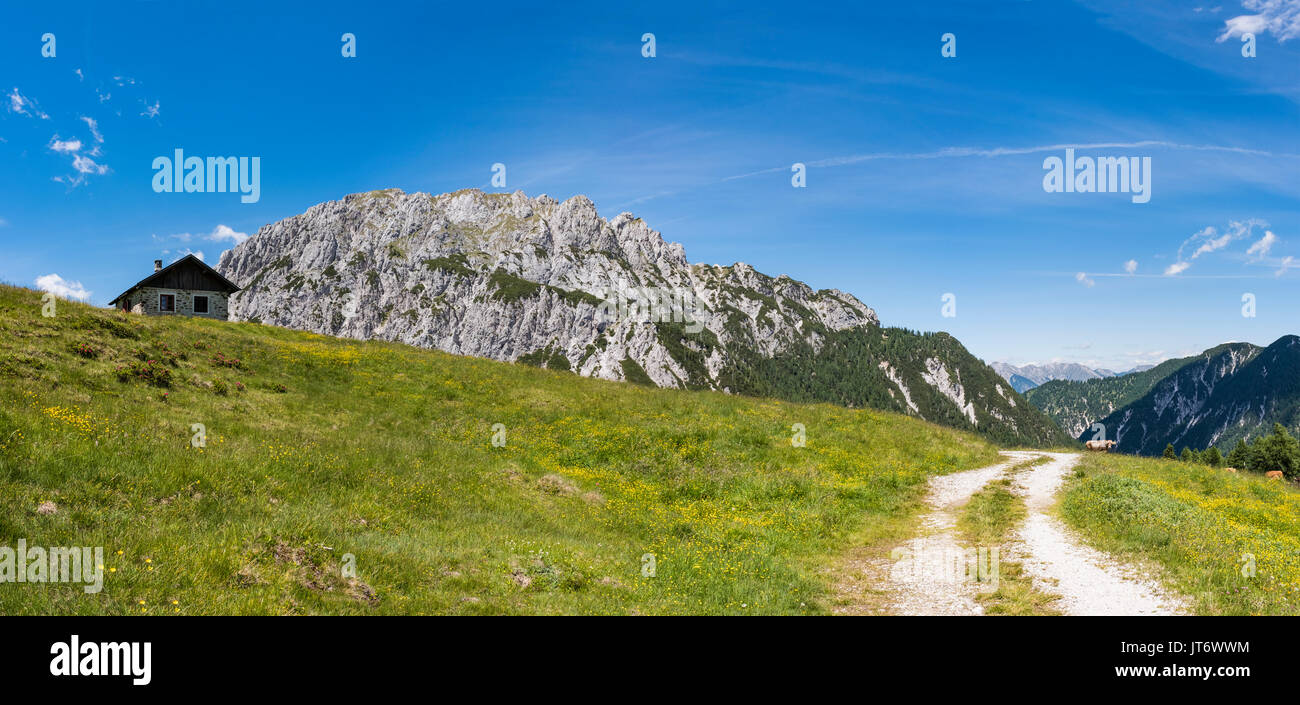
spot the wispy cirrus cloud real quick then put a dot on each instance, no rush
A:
(1261, 248)
(221, 233)
(83, 164)
(86, 165)
(962, 152)
(22, 105)
(1209, 239)
(1205, 241)
(94, 129)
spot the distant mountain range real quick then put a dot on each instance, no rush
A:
(514, 278)
(1229, 392)
(1025, 377)
(1076, 405)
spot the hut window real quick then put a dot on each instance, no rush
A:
(167, 303)
(200, 304)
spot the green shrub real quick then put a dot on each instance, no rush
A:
(148, 371)
(223, 361)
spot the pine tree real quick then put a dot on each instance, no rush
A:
(1240, 456)
(1277, 451)
(1186, 456)
(1170, 453)
(1213, 457)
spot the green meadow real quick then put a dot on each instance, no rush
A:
(236, 468)
(1228, 541)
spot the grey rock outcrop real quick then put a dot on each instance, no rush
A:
(505, 276)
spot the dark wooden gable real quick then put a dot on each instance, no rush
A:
(188, 272)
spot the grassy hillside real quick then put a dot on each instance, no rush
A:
(319, 447)
(1207, 527)
(1075, 406)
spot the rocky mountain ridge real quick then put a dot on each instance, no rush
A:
(535, 280)
(1229, 392)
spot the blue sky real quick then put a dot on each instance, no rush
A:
(924, 173)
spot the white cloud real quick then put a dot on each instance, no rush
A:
(1212, 244)
(1083, 279)
(959, 152)
(221, 233)
(69, 147)
(1242, 24)
(82, 163)
(86, 165)
(80, 76)
(94, 128)
(1131, 266)
(188, 251)
(59, 286)
(1260, 249)
(1281, 18)
(1288, 262)
(225, 232)
(21, 104)
(150, 111)
(1210, 240)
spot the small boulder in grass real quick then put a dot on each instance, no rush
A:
(47, 507)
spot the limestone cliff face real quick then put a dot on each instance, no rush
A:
(505, 276)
